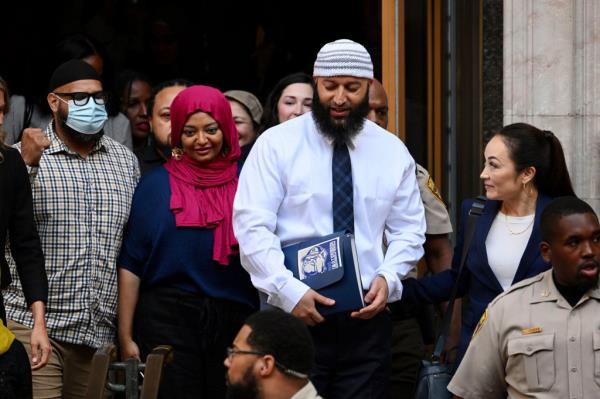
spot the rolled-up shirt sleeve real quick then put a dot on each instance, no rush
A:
(257, 201)
(405, 233)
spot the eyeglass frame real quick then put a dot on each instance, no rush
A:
(80, 103)
(231, 352)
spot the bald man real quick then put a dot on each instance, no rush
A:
(407, 342)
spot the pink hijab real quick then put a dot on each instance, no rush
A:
(202, 194)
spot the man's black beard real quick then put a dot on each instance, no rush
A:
(76, 136)
(340, 133)
(585, 284)
(245, 389)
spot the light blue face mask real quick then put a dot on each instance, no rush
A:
(86, 119)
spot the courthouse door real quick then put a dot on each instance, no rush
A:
(412, 53)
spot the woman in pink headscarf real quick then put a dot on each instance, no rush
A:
(180, 280)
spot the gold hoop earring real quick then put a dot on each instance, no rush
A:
(176, 153)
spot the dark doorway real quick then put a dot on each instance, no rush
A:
(228, 44)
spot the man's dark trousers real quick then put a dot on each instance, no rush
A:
(353, 357)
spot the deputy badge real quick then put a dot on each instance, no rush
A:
(431, 186)
(482, 321)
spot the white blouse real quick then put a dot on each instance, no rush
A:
(505, 245)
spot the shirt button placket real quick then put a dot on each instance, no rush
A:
(574, 353)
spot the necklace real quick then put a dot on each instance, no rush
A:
(514, 233)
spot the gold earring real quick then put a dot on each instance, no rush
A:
(176, 153)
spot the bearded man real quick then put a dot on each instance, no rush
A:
(270, 359)
(82, 184)
(327, 171)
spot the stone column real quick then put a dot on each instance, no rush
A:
(552, 79)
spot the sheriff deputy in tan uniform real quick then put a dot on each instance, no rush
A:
(541, 338)
(407, 342)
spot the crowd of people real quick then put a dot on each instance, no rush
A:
(156, 215)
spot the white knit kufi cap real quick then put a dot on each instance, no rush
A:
(343, 58)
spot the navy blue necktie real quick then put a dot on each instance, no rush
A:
(342, 201)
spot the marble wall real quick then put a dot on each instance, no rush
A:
(552, 79)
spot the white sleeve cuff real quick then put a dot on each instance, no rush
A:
(289, 295)
(394, 285)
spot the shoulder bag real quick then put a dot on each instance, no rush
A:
(434, 375)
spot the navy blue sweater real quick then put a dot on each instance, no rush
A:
(164, 255)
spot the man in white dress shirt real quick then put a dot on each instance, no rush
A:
(286, 195)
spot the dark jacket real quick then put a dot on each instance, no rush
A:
(478, 283)
(16, 221)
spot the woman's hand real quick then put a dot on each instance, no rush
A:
(129, 288)
(40, 343)
(129, 349)
(40, 346)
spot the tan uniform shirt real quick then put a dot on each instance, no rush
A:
(307, 392)
(530, 343)
(436, 215)
(437, 218)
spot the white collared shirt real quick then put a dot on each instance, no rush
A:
(307, 392)
(285, 193)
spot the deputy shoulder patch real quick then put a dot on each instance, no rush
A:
(482, 321)
(431, 186)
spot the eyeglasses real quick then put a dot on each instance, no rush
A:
(231, 352)
(80, 98)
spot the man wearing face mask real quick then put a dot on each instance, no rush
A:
(82, 184)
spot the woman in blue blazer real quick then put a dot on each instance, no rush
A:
(524, 169)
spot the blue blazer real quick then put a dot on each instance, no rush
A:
(478, 282)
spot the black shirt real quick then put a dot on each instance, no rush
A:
(151, 156)
(571, 294)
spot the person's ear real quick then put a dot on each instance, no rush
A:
(528, 174)
(266, 366)
(53, 102)
(546, 251)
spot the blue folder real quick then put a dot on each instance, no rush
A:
(328, 265)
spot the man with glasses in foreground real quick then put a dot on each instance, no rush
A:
(271, 358)
(82, 184)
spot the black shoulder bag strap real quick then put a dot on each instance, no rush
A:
(475, 211)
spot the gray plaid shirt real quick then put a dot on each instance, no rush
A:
(80, 207)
